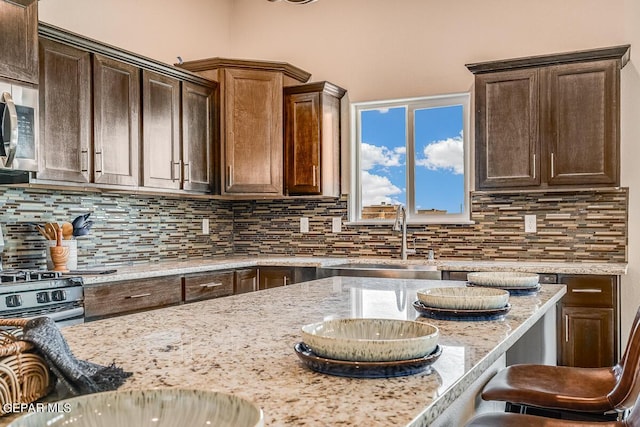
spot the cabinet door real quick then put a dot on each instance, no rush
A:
(273, 277)
(19, 40)
(253, 142)
(582, 119)
(507, 143)
(587, 337)
(246, 280)
(197, 136)
(122, 297)
(208, 285)
(302, 143)
(65, 125)
(161, 130)
(116, 122)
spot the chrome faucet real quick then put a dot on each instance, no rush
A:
(401, 215)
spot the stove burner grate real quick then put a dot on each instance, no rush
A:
(19, 276)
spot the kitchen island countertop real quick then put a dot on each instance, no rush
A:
(243, 344)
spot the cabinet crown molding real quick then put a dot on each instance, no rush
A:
(213, 63)
(323, 86)
(621, 53)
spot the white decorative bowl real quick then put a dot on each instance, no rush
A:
(370, 340)
(464, 298)
(147, 408)
(504, 279)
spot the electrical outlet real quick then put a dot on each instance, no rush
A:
(336, 224)
(304, 225)
(530, 225)
(205, 225)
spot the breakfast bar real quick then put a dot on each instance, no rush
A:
(244, 344)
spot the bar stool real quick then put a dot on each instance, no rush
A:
(582, 390)
(505, 419)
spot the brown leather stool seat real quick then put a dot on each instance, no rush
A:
(584, 390)
(557, 387)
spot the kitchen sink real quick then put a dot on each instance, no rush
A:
(389, 271)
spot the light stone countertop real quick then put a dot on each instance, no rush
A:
(168, 268)
(243, 344)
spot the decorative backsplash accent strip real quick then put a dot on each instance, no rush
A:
(572, 226)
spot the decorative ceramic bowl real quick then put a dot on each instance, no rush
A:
(147, 408)
(370, 340)
(503, 279)
(464, 298)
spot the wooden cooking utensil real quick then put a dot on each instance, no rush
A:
(67, 230)
(42, 231)
(51, 232)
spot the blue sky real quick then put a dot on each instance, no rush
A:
(439, 163)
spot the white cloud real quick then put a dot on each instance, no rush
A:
(378, 189)
(446, 154)
(372, 155)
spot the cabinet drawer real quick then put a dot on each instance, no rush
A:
(127, 296)
(589, 291)
(208, 285)
(455, 275)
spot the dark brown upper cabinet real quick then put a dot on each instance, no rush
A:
(161, 134)
(19, 40)
(198, 136)
(65, 122)
(111, 118)
(250, 122)
(177, 133)
(116, 122)
(312, 139)
(549, 121)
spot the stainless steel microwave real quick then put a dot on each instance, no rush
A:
(18, 129)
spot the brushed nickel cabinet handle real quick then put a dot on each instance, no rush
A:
(98, 163)
(139, 296)
(587, 291)
(172, 170)
(314, 175)
(285, 280)
(566, 328)
(552, 169)
(229, 176)
(211, 285)
(84, 160)
(187, 171)
(534, 165)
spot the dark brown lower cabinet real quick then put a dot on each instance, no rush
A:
(273, 277)
(588, 325)
(587, 337)
(208, 285)
(114, 298)
(246, 280)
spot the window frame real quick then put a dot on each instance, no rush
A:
(411, 105)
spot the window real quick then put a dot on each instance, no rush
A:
(413, 152)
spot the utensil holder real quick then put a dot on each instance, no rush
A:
(72, 262)
(59, 256)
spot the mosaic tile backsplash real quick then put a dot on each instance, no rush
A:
(580, 226)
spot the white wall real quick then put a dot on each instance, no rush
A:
(158, 29)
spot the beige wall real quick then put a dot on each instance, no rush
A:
(630, 133)
(382, 49)
(158, 29)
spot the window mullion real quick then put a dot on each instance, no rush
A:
(410, 161)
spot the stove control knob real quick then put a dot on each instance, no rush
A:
(43, 297)
(13, 301)
(58, 295)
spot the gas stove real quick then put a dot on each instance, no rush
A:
(31, 293)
